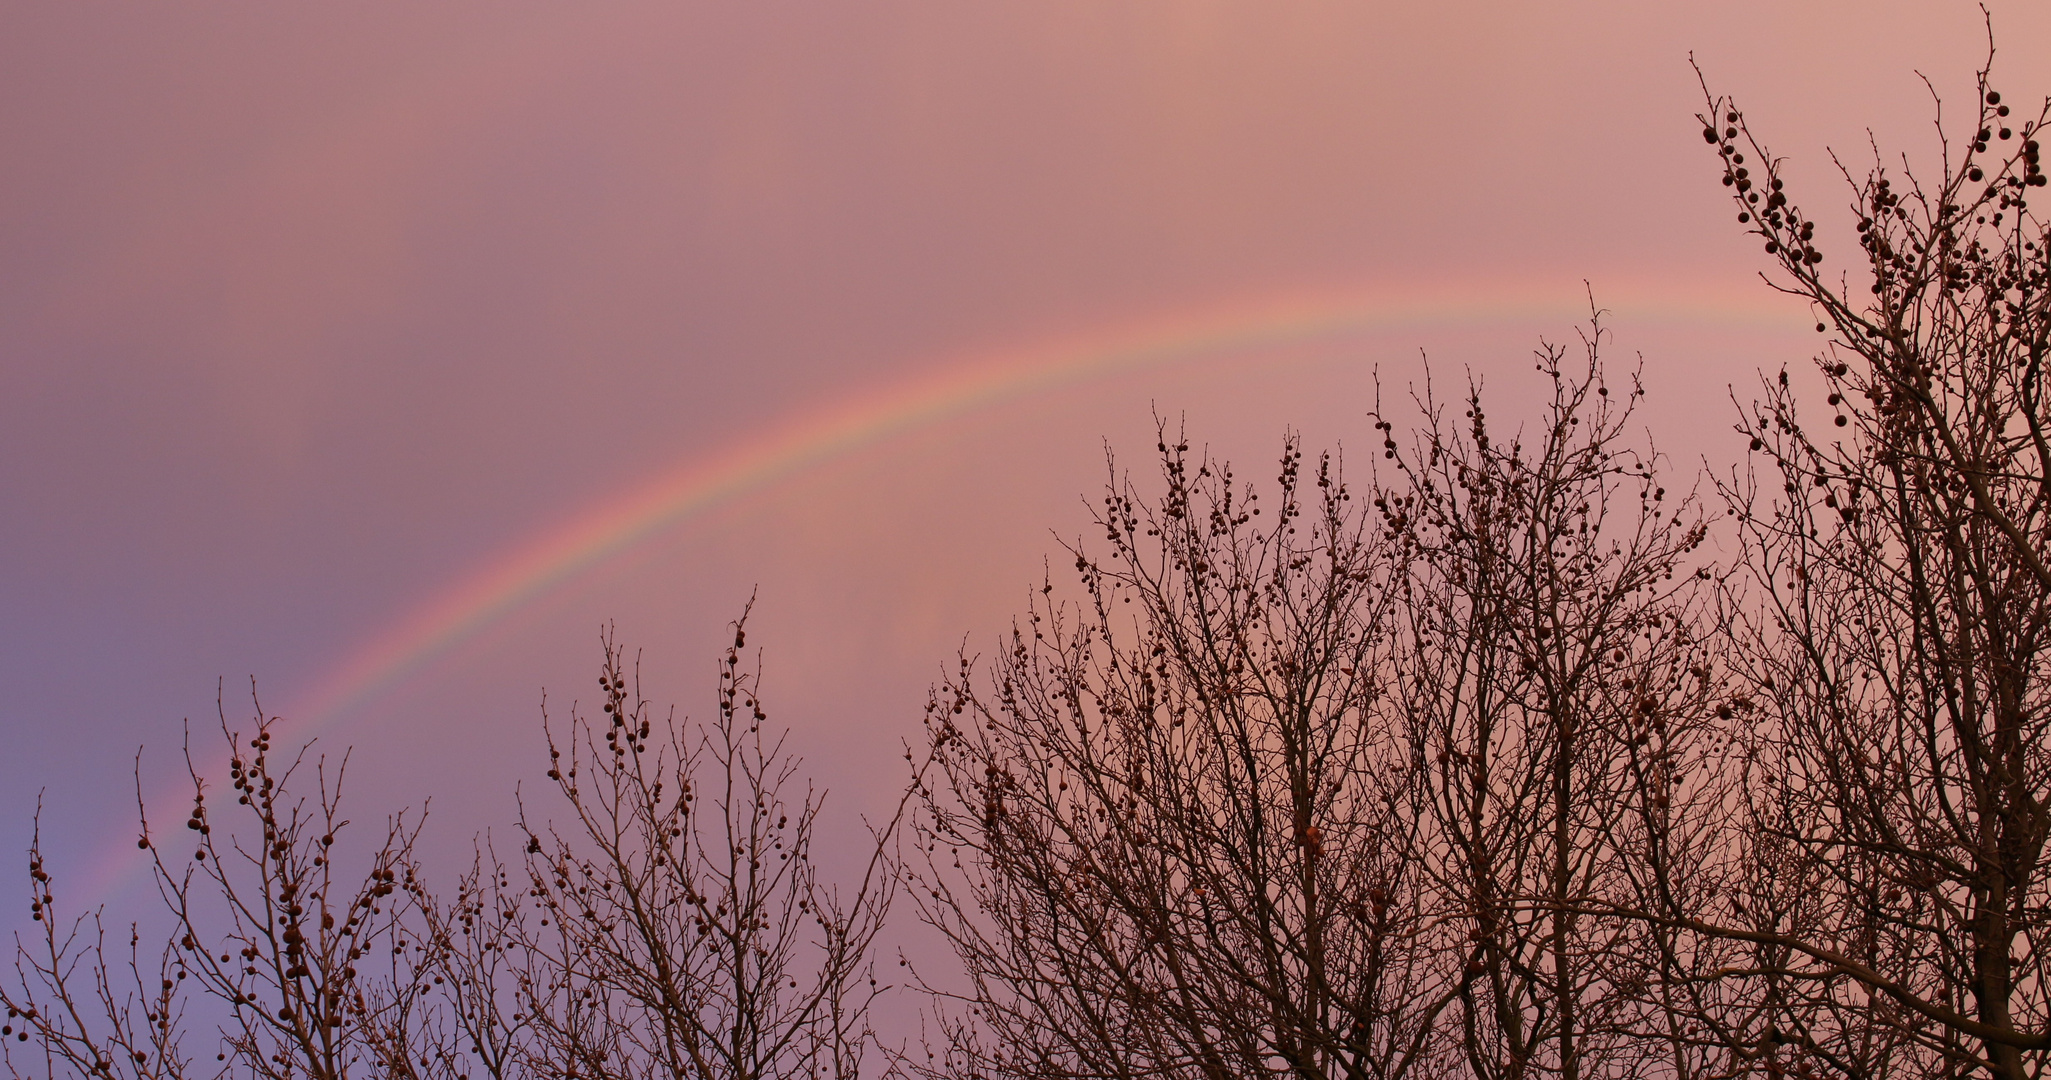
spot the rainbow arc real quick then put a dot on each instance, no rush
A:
(557, 557)
(687, 489)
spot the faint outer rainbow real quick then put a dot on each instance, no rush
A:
(693, 486)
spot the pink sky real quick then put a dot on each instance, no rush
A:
(315, 316)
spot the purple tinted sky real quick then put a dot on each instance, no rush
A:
(307, 311)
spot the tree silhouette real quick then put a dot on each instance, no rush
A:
(1179, 808)
(305, 969)
(1892, 717)
(1553, 680)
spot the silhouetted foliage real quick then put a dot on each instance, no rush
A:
(1552, 681)
(673, 924)
(303, 968)
(1327, 794)
(1891, 720)
(1180, 805)
(680, 927)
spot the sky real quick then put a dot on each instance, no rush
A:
(379, 354)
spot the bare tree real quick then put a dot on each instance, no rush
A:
(675, 924)
(1168, 835)
(84, 1013)
(478, 1022)
(1553, 679)
(1895, 772)
(305, 968)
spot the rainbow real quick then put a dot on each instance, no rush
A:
(689, 488)
(550, 561)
